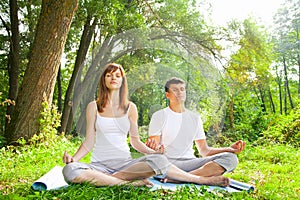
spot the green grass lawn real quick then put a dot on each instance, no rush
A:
(273, 169)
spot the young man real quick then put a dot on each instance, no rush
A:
(176, 128)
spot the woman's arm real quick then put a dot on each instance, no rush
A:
(89, 141)
(153, 142)
(134, 135)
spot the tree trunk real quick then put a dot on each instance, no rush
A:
(278, 81)
(81, 55)
(13, 60)
(187, 84)
(271, 100)
(280, 98)
(59, 90)
(92, 76)
(287, 83)
(285, 100)
(39, 79)
(32, 18)
(84, 100)
(102, 57)
(231, 111)
(262, 99)
(285, 88)
(298, 58)
(141, 116)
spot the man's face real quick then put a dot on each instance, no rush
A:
(176, 93)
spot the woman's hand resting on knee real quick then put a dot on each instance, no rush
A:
(67, 158)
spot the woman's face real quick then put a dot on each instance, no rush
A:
(113, 80)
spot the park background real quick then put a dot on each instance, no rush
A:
(242, 76)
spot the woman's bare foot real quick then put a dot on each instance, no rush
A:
(142, 182)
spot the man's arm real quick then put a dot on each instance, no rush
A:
(205, 150)
(155, 130)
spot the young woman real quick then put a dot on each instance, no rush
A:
(109, 119)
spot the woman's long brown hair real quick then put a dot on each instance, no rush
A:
(103, 92)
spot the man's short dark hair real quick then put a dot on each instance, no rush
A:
(173, 80)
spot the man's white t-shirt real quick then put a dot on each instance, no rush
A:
(178, 131)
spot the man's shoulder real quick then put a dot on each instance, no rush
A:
(193, 114)
(159, 112)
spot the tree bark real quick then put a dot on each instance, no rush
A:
(278, 81)
(81, 55)
(92, 76)
(81, 123)
(280, 98)
(287, 83)
(285, 99)
(39, 79)
(271, 100)
(59, 90)
(13, 60)
(262, 99)
(231, 111)
(298, 57)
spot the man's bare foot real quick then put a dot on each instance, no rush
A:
(166, 180)
(213, 180)
(216, 180)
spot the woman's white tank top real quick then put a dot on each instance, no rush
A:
(111, 138)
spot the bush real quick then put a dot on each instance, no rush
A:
(285, 129)
(3, 107)
(49, 122)
(246, 119)
(249, 128)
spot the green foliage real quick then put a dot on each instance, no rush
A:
(3, 96)
(20, 165)
(146, 80)
(272, 168)
(49, 122)
(249, 126)
(3, 106)
(285, 129)
(249, 119)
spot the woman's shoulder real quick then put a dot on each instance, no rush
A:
(92, 105)
(131, 106)
(130, 103)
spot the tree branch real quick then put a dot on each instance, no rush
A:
(7, 28)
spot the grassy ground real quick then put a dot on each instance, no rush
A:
(273, 169)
